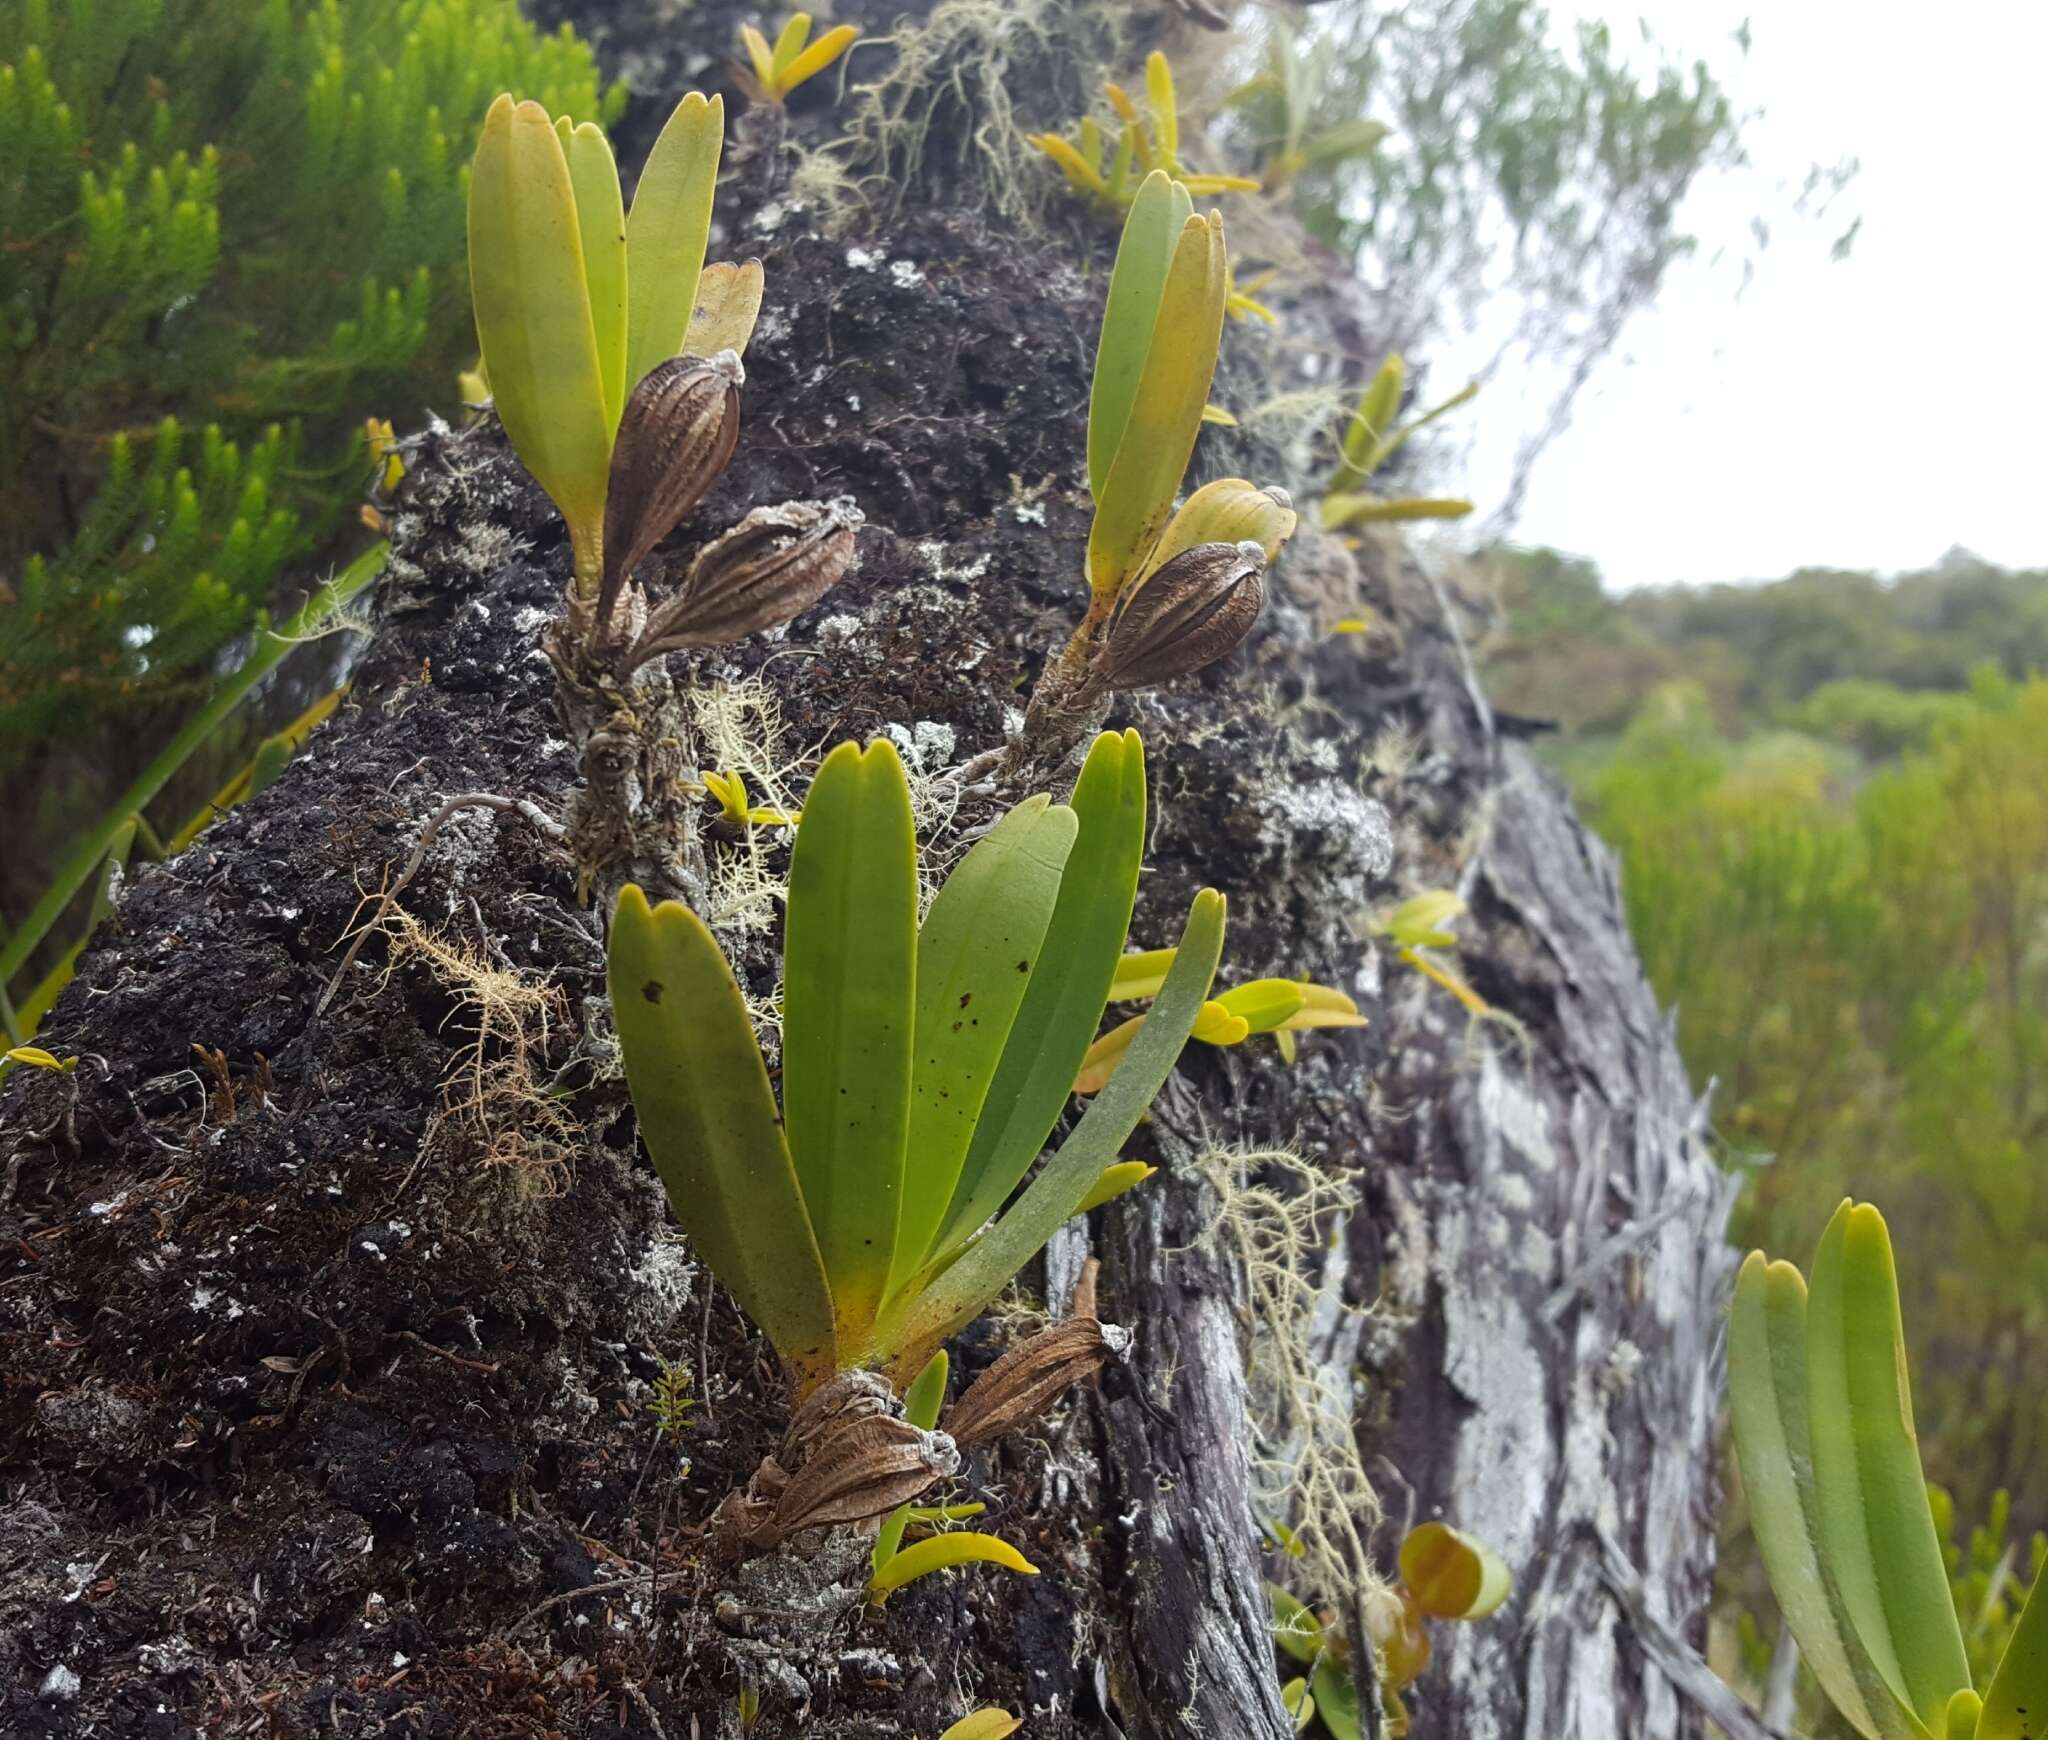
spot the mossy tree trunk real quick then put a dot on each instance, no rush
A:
(329, 1337)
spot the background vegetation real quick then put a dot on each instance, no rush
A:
(1830, 796)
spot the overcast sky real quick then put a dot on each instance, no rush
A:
(1871, 413)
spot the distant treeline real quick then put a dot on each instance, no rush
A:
(1845, 657)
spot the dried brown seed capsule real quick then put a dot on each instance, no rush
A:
(1032, 1376)
(774, 565)
(676, 435)
(866, 1468)
(1191, 612)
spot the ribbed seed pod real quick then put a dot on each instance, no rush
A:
(1191, 612)
(1032, 1376)
(775, 564)
(865, 1468)
(676, 435)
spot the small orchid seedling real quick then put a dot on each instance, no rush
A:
(1168, 592)
(1445, 1574)
(777, 71)
(1822, 1411)
(1372, 438)
(1423, 923)
(1281, 1007)
(735, 808)
(612, 354)
(862, 1221)
(1279, 104)
(1145, 142)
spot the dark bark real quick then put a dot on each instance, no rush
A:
(326, 1387)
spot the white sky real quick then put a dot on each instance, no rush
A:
(1871, 413)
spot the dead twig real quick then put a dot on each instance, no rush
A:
(470, 800)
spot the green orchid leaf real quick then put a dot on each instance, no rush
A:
(1125, 1175)
(1139, 975)
(980, 943)
(921, 1404)
(1339, 510)
(1166, 409)
(1296, 1629)
(728, 305)
(1165, 105)
(533, 318)
(1356, 138)
(958, 1296)
(601, 226)
(849, 1006)
(701, 1093)
(1069, 986)
(1451, 1575)
(1378, 406)
(942, 1553)
(2016, 1706)
(1264, 1004)
(817, 57)
(1136, 283)
(790, 43)
(1336, 1701)
(1965, 1716)
(666, 233)
(1229, 511)
(1388, 445)
(1876, 1529)
(1767, 1397)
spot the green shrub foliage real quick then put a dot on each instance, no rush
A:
(229, 230)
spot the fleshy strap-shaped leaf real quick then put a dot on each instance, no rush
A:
(1767, 1400)
(959, 1295)
(1069, 985)
(1877, 1532)
(1166, 410)
(975, 955)
(701, 1094)
(849, 1006)
(533, 321)
(2016, 1706)
(666, 233)
(1136, 283)
(601, 224)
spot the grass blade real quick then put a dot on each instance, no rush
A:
(700, 1091)
(983, 936)
(849, 1008)
(666, 233)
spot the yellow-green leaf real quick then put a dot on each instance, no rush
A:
(666, 233)
(790, 43)
(1137, 282)
(942, 1553)
(1069, 986)
(1452, 1575)
(728, 304)
(2016, 1704)
(1166, 411)
(533, 316)
(817, 57)
(1165, 107)
(35, 1057)
(700, 1092)
(1264, 1004)
(1339, 510)
(989, 1724)
(1378, 406)
(1229, 511)
(979, 945)
(601, 225)
(1767, 1402)
(849, 1004)
(1139, 974)
(1876, 1530)
(1115, 1180)
(761, 56)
